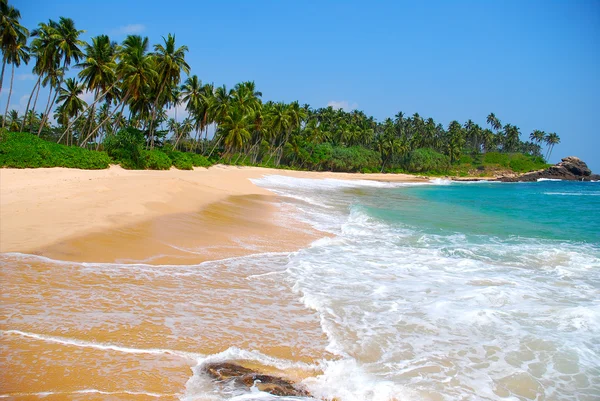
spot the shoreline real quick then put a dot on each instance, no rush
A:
(115, 214)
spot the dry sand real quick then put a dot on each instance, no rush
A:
(117, 214)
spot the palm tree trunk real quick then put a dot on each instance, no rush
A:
(213, 149)
(37, 93)
(45, 112)
(104, 121)
(2, 75)
(12, 77)
(91, 105)
(151, 131)
(29, 102)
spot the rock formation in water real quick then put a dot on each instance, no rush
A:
(570, 168)
(230, 373)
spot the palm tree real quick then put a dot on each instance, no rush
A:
(456, 141)
(65, 44)
(16, 55)
(236, 130)
(493, 121)
(170, 61)
(46, 63)
(12, 34)
(511, 137)
(192, 96)
(98, 68)
(551, 140)
(70, 102)
(136, 72)
(13, 120)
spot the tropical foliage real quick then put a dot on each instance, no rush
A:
(132, 89)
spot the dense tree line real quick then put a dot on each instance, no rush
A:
(134, 84)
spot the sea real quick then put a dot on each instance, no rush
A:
(439, 290)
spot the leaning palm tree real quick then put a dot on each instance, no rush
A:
(16, 55)
(66, 45)
(99, 68)
(169, 61)
(136, 72)
(46, 61)
(70, 101)
(236, 129)
(551, 140)
(12, 34)
(493, 121)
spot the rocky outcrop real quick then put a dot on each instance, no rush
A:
(570, 168)
(231, 373)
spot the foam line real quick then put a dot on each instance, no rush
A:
(101, 346)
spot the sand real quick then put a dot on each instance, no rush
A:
(90, 215)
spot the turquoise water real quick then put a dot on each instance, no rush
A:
(452, 291)
(564, 211)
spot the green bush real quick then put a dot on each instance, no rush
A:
(426, 160)
(496, 158)
(126, 147)
(465, 159)
(518, 162)
(523, 163)
(199, 160)
(156, 160)
(181, 160)
(353, 159)
(24, 150)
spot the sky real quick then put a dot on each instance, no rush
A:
(535, 64)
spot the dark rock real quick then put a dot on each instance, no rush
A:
(570, 168)
(243, 377)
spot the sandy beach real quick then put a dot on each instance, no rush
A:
(117, 214)
(111, 322)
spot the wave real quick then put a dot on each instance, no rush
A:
(100, 346)
(573, 193)
(89, 391)
(548, 179)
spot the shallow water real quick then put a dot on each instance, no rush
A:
(441, 291)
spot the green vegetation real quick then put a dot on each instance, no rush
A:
(23, 150)
(135, 86)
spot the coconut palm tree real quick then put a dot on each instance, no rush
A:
(136, 72)
(70, 102)
(551, 140)
(98, 68)
(16, 55)
(493, 121)
(236, 129)
(511, 138)
(65, 45)
(12, 34)
(169, 61)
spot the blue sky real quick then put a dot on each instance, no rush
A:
(535, 64)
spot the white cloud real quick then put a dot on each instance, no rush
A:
(128, 29)
(26, 77)
(342, 104)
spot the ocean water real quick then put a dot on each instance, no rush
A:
(433, 291)
(453, 291)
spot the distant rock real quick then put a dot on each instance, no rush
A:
(231, 373)
(570, 168)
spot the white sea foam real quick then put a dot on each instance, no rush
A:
(548, 179)
(573, 193)
(419, 316)
(100, 346)
(88, 391)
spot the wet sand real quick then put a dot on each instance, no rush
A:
(161, 288)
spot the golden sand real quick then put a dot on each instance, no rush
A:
(113, 331)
